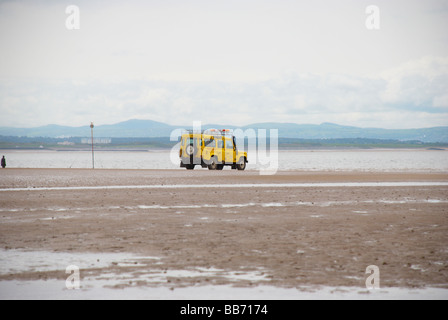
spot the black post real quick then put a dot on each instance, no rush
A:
(93, 159)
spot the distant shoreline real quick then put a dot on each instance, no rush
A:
(165, 143)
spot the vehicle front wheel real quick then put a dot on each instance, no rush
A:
(213, 164)
(241, 165)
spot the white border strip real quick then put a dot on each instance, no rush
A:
(252, 185)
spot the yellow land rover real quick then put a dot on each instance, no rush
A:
(211, 148)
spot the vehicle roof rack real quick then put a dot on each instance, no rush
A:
(212, 132)
(191, 131)
(216, 132)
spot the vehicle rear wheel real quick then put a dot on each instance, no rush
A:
(241, 165)
(189, 166)
(213, 164)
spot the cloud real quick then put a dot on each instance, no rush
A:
(419, 84)
(440, 101)
(415, 91)
(228, 62)
(213, 41)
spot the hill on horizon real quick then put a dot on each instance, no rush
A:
(136, 128)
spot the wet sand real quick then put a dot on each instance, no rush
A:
(286, 237)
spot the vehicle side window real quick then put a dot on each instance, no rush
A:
(209, 143)
(220, 144)
(229, 144)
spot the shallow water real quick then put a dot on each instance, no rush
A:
(99, 289)
(104, 286)
(116, 269)
(334, 160)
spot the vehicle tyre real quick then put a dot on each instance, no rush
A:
(189, 150)
(220, 167)
(213, 164)
(241, 165)
(189, 166)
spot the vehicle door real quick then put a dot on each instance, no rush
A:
(220, 151)
(229, 151)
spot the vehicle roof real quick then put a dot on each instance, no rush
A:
(202, 135)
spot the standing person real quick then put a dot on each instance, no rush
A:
(3, 162)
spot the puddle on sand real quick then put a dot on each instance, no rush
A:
(18, 262)
(143, 282)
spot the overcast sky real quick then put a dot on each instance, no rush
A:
(230, 62)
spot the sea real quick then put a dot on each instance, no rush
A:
(375, 160)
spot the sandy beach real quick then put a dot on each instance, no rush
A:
(146, 229)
